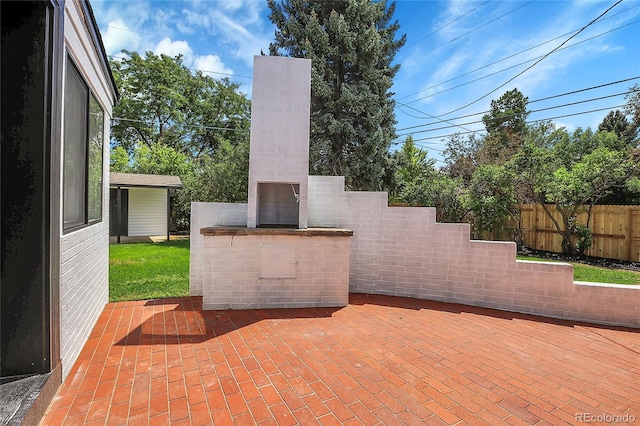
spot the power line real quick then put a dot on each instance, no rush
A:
(528, 122)
(124, 29)
(520, 52)
(535, 63)
(584, 90)
(197, 69)
(199, 126)
(508, 68)
(439, 120)
(491, 21)
(446, 25)
(514, 115)
(529, 102)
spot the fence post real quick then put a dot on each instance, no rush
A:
(628, 234)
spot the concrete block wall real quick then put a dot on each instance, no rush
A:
(402, 251)
(204, 215)
(84, 286)
(237, 276)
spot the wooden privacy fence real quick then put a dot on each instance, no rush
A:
(616, 230)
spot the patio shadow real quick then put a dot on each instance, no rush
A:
(182, 320)
(455, 308)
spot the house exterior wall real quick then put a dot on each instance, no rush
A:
(147, 211)
(84, 253)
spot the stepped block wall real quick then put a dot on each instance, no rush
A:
(402, 251)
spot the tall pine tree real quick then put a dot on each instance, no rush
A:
(352, 44)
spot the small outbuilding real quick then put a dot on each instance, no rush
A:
(140, 204)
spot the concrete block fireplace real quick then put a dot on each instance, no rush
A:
(274, 259)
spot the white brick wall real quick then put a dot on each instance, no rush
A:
(204, 215)
(402, 251)
(280, 105)
(235, 277)
(84, 287)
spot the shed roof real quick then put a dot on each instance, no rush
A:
(140, 180)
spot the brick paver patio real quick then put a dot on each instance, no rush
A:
(381, 360)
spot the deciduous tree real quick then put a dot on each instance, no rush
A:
(164, 102)
(573, 172)
(419, 183)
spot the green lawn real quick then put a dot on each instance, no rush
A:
(148, 270)
(156, 270)
(596, 274)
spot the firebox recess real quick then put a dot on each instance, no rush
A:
(278, 205)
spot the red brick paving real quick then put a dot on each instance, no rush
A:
(380, 360)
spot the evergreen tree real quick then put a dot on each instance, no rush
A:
(616, 122)
(351, 44)
(506, 125)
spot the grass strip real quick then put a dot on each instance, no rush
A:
(141, 271)
(595, 274)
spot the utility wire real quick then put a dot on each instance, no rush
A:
(491, 21)
(514, 115)
(529, 102)
(196, 69)
(534, 64)
(446, 25)
(511, 67)
(528, 122)
(113, 119)
(523, 51)
(584, 90)
(439, 120)
(124, 29)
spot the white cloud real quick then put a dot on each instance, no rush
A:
(211, 64)
(192, 21)
(174, 48)
(246, 44)
(232, 4)
(118, 36)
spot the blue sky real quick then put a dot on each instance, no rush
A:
(459, 54)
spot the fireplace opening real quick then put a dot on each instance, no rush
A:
(278, 205)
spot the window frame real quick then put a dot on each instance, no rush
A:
(89, 217)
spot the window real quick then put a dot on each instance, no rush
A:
(83, 142)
